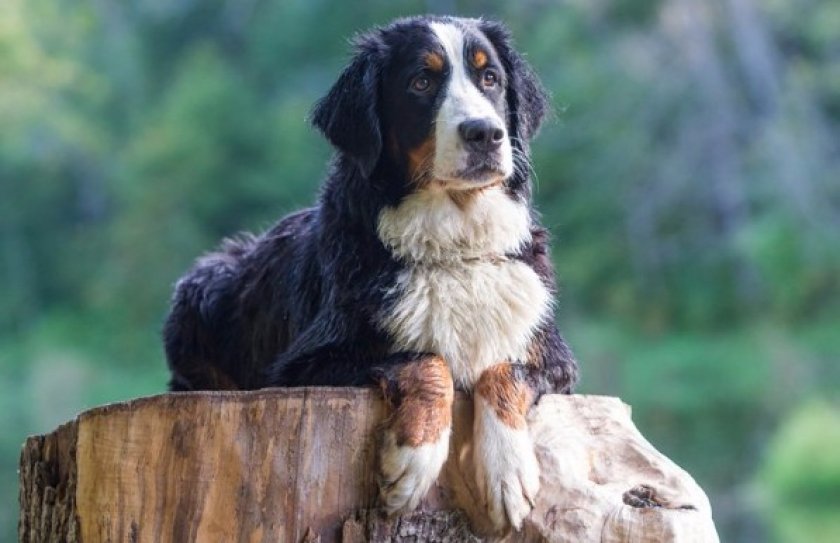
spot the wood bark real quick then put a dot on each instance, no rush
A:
(298, 465)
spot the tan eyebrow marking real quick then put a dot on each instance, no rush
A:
(479, 59)
(434, 62)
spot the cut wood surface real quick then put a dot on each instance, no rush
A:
(299, 465)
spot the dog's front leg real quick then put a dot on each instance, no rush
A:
(415, 437)
(507, 472)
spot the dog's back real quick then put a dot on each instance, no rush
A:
(231, 315)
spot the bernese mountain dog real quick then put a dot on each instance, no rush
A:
(422, 267)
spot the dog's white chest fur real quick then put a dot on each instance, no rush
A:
(460, 297)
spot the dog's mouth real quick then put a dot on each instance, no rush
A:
(479, 172)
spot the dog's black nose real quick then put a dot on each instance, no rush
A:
(481, 134)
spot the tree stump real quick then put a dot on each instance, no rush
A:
(298, 465)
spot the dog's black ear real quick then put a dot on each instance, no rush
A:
(348, 116)
(527, 100)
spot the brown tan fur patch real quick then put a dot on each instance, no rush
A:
(463, 198)
(422, 401)
(434, 62)
(420, 161)
(479, 59)
(509, 396)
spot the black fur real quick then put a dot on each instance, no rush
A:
(298, 305)
(347, 115)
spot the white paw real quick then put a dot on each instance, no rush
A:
(507, 471)
(407, 473)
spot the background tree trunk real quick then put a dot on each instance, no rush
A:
(299, 465)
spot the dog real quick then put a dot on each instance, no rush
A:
(422, 267)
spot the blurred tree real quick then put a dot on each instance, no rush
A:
(53, 153)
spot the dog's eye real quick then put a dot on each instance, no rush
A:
(489, 78)
(421, 83)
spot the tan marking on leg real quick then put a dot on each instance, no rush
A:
(424, 411)
(509, 397)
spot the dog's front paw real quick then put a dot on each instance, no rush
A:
(406, 473)
(507, 472)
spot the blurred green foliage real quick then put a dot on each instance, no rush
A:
(803, 467)
(690, 177)
(802, 474)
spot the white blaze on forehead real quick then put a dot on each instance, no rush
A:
(461, 87)
(462, 101)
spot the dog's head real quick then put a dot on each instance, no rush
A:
(439, 100)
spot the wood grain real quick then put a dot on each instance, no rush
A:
(294, 465)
